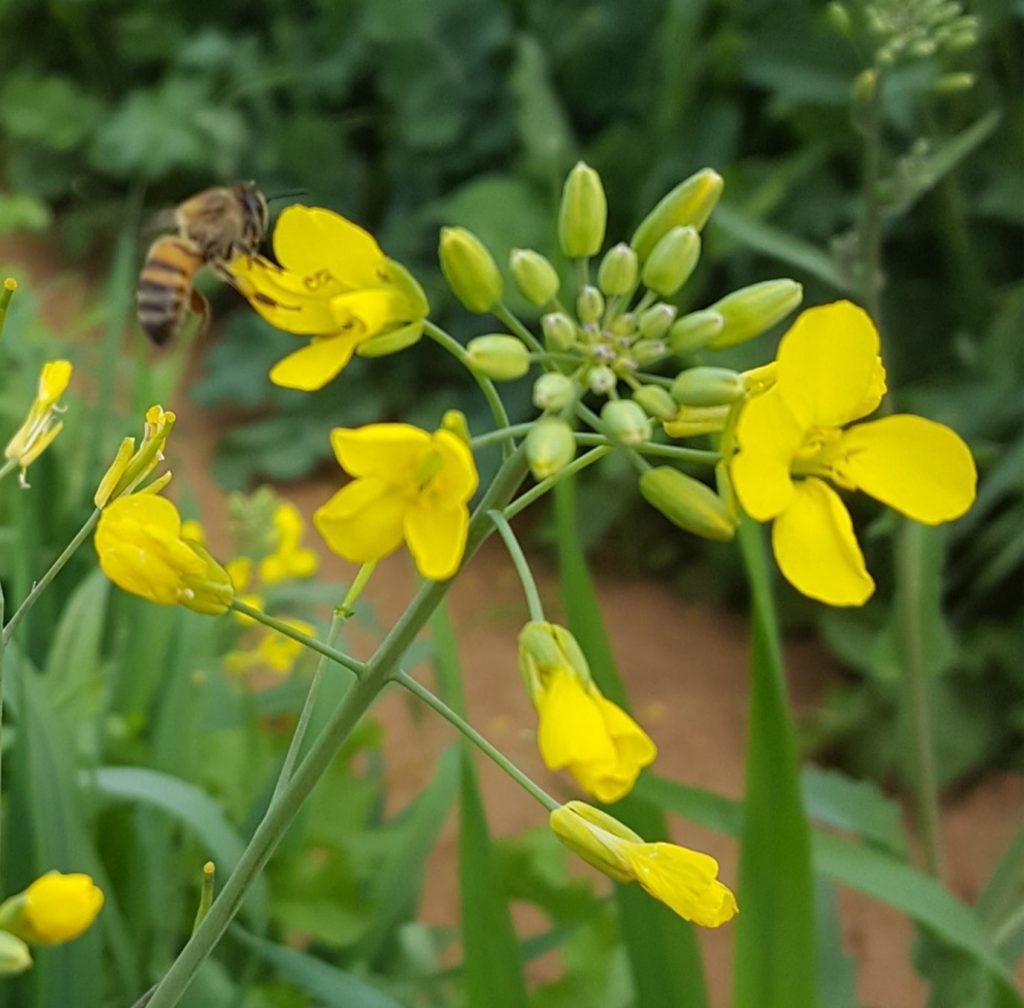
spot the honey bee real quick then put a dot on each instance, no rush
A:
(213, 228)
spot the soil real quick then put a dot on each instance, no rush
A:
(686, 666)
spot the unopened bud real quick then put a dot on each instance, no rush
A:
(499, 357)
(624, 325)
(864, 86)
(672, 260)
(708, 386)
(656, 401)
(454, 421)
(649, 351)
(695, 331)
(953, 83)
(559, 331)
(550, 446)
(15, 956)
(626, 421)
(601, 379)
(391, 342)
(617, 273)
(553, 391)
(534, 275)
(687, 502)
(545, 648)
(688, 205)
(692, 421)
(469, 269)
(596, 837)
(589, 304)
(753, 310)
(583, 213)
(654, 323)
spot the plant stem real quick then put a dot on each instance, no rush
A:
(2, 646)
(359, 582)
(9, 466)
(501, 434)
(503, 313)
(534, 493)
(652, 448)
(518, 558)
(437, 704)
(41, 585)
(870, 228)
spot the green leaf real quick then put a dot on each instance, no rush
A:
(836, 969)
(834, 799)
(1001, 901)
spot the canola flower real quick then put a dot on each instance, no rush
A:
(793, 438)
(132, 466)
(290, 559)
(410, 485)
(684, 880)
(335, 285)
(56, 908)
(273, 651)
(579, 730)
(40, 428)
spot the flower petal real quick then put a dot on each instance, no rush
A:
(769, 436)
(457, 479)
(633, 745)
(313, 366)
(283, 298)
(389, 450)
(683, 879)
(362, 522)
(313, 241)
(816, 549)
(829, 369)
(436, 534)
(571, 731)
(919, 467)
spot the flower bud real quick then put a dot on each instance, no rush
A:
(864, 86)
(688, 205)
(592, 834)
(672, 260)
(454, 421)
(553, 392)
(534, 275)
(392, 341)
(589, 304)
(500, 357)
(692, 421)
(694, 331)
(687, 502)
(656, 401)
(559, 331)
(753, 310)
(583, 213)
(655, 322)
(601, 379)
(545, 648)
(6, 292)
(624, 325)
(15, 957)
(649, 351)
(708, 386)
(54, 909)
(550, 446)
(469, 269)
(617, 273)
(626, 421)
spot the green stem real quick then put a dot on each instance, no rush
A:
(534, 493)
(700, 455)
(361, 580)
(437, 704)
(582, 272)
(9, 466)
(501, 434)
(870, 228)
(503, 313)
(41, 585)
(2, 648)
(515, 552)
(10, 285)
(281, 813)
(282, 627)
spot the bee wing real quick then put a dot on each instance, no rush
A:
(159, 222)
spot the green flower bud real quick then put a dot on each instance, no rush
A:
(656, 401)
(626, 421)
(692, 421)
(550, 446)
(624, 325)
(455, 422)
(573, 824)
(601, 379)
(694, 331)
(708, 386)
(559, 331)
(953, 83)
(535, 277)
(499, 357)
(583, 213)
(15, 957)
(864, 86)
(617, 273)
(545, 648)
(589, 304)
(688, 205)
(392, 341)
(687, 502)
(753, 310)
(649, 351)
(672, 260)
(553, 391)
(654, 323)
(470, 270)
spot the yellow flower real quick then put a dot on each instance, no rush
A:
(38, 431)
(273, 651)
(335, 285)
(684, 880)
(791, 438)
(141, 550)
(579, 730)
(54, 909)
(410, 485)
(131, 467)
(289, 559)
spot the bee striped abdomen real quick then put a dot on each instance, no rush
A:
(164, 292)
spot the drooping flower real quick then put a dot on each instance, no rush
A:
(290, 559)
(579, 730)
(141, 549)
(410, 486)
(54, 909)
(131, 466)
(335, 285)
(39, 430)
(792, 438)
(684, 880)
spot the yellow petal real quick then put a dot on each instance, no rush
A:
(313, 366)
(362, 522)
(372, 310)
(58, 907)
(457, 479)
(53, 380)
(828, 370)
(436, 534)
(389, 450)
(283, 298)
(308, 240)
(769, 436)
(919, 467)
(571, 731)
(816, 549)
(633, 745)
(683, 879)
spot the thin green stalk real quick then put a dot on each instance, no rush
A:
(652, 448)
(281, 813)
(518, 558)
(282, 627)
(359, 582)
(538, 491)
(495, 755)
(582, 272)
(501, 434)
(41, 585)
(10, 285)
(503, 313)
(2, 648)
(870, 227)
(9, 466)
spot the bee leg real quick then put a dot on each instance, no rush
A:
(201, 307)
